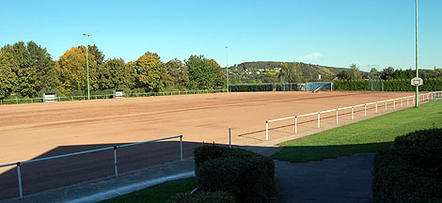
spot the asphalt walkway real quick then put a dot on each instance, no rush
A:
(344, 179)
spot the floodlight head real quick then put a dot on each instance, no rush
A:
(86, 35)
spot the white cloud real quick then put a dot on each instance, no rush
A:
(311, 56)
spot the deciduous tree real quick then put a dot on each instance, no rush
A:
(204, 73)
(150, 72)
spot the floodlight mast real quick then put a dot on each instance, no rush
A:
(417, 57)
(87, 66)
(227, 70)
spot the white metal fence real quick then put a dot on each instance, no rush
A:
(115, 162)
(396, 103)
(108, 96)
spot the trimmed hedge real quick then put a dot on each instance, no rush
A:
(203, 197)
(259, 87)
(249, 176)
(412, 170)
(209, 152)
(431, 84)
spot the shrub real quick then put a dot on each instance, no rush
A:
(411, 170)
(203, 197)
(252, 87)
(244, 177)
(249, 176)
(209, 152)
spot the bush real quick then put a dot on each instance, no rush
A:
(209, 152)
(203, 197)
(259, 87)
(249, 176)
(411, 171)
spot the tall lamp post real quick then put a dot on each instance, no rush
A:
(227, 70)
(417, 68)
(87, 66)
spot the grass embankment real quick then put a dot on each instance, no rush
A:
(365, 136)
(158, 193)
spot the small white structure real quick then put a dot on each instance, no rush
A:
(49, 97)
(118, 94)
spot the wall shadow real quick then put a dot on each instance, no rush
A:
(56, 173)
(49, 174)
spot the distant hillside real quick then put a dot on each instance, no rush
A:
(267, 71)
(274, 64)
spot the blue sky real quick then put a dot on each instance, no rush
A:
(327, 32)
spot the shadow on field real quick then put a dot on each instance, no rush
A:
(316, 153)
(55, 173)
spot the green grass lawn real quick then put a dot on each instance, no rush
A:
(158, 193)
(364, 136)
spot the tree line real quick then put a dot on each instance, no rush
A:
(386, 74)
(28, 70)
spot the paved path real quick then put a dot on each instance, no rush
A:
(344, 179)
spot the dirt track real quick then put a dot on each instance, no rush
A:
(28, 131)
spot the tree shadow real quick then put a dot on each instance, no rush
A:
(317, 153)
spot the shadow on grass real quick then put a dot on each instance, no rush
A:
(316, 153)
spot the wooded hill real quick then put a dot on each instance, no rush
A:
(268, 71)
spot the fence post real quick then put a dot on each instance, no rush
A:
(365, 110)
(230, 137)
(296, 125)
(181, 147)
(386, 105)
(115, 160)
(20, 185)
(267, 130)
(319, 119)
(337, 116)
(352, 113)
(394, 104)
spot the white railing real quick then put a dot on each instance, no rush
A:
(402, 101)
(114, 148)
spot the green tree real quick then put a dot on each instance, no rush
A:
(8, 79)
(100, 77)
(150, 72)
(355, 73)
(33, 68)
(44, 67)
(289, 73)
(204, 73)
(121, 75)
(388, 73)
(344, 75)
(178, 73)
